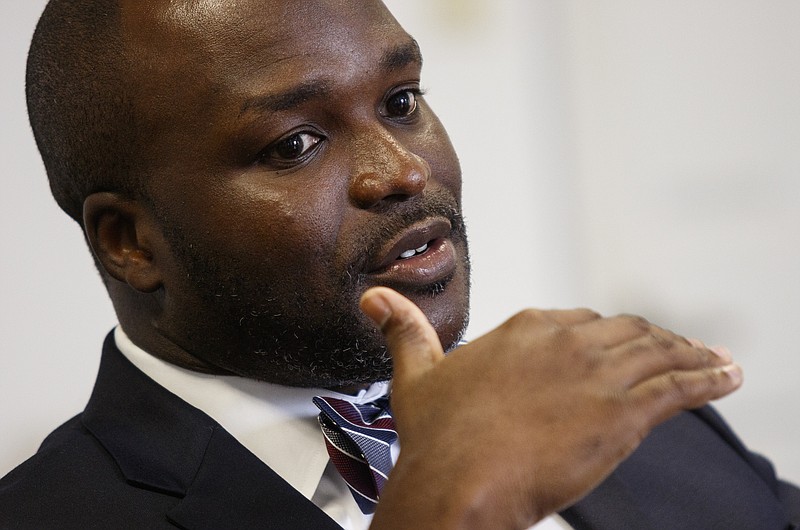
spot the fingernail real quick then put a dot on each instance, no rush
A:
(722, 352)
(375, 306)
(734, 371)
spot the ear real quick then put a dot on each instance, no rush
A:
(122, 233)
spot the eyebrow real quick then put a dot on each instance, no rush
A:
(288, 99)
(395, 58)
(401, 56)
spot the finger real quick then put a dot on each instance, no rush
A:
(613, 331)
(658, 353)
(662, 397)
(722, 351)
(411, 339)
(697, 343)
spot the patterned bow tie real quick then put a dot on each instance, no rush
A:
(359, 440)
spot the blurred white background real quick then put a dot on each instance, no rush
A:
(638, 156)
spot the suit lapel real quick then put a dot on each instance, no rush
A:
(163, 444)
(156, 439)
(235, 489)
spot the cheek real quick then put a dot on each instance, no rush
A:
(291, 228)
(435, 147)
(263, 229)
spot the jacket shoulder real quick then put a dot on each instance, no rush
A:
(690, 472)
(73, 482)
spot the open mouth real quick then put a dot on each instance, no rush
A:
(421, 255)
(414, 252)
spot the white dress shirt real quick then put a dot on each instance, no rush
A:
(278, 424)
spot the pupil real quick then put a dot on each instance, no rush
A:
(292, 147)
(400, 104)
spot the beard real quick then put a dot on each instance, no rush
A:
(292, 327)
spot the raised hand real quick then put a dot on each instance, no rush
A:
(530, 417)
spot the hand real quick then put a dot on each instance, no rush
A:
(530, 417)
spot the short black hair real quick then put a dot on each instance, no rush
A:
(79, 102)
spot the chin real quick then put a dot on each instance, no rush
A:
(447, 309)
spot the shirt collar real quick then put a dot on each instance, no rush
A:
(278, 424)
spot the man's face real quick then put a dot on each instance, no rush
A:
(294, 165)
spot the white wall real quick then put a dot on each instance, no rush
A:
(686, 121)
(638, 156)
(630, 156)
(54, 311)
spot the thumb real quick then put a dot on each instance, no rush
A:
(411, 339)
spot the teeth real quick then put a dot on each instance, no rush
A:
(413, 252)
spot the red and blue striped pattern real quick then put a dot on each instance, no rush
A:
(359, 439)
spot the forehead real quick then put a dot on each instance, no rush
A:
(221, 36)
(196, 64)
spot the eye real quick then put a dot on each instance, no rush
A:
(402, 104)
(290, 149)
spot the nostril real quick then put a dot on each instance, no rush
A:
(387, 171)
(416, 182)
(370, 188)
(366, 190)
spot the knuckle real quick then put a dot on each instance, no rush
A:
(583, 358)
(531, 314)
(526, 318)
(692, 389)
(636, 322)
(677, 353)
(662, 342)
(588, 314)
(670, 391)
(678, 386)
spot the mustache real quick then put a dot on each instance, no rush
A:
(398, 217)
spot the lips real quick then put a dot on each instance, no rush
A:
(419, 256)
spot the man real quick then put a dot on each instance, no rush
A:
(248, 175)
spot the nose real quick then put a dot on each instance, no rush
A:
(384, 169)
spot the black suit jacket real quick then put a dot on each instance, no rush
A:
(140, 457)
